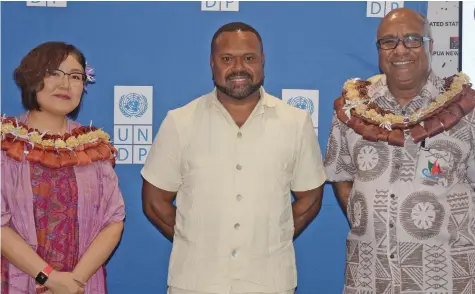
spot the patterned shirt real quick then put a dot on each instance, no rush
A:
(411, 209)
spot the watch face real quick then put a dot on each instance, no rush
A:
(41, 278)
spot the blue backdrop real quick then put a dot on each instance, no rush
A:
(308, 45)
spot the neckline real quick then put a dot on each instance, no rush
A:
(24, 118)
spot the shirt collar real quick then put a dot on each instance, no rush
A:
(264, 102)
(383, 97)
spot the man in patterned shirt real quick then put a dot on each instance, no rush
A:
(401, 159)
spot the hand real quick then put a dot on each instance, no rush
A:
(78, 279)
(64, 283)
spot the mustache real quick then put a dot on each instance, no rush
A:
(239, 74)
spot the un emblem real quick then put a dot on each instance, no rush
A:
(133, 105)
(302, 103)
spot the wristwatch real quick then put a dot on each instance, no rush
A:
(42, 276)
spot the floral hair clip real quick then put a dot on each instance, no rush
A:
(90, 79)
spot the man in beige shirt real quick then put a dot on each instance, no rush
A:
(230, 159)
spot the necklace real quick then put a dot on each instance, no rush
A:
(359, 112)
(82, 146)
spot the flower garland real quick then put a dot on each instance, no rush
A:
(90, 79)
(355, 92)
(82, 146)
(359, 111)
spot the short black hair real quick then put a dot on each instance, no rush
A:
(235, 27)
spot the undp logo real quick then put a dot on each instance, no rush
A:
(302, 103)
(305, 99)
(133, 118)
(133, 105)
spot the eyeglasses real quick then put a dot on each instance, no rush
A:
(408, 41)
(74, 78)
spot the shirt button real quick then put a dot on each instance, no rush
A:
(239, 135)
(391, 225)
(391, 256)
(238, 197)
(234, 253)
(392, 195)
(238, 167)
(237, 226)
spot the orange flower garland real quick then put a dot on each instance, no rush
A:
(357, 110)
(82, 146)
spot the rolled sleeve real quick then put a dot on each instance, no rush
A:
(308, 172)
(338, 162)
(162, 166)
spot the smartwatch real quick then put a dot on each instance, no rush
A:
(42, 276)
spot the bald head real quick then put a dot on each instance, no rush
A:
(405, 49)
(404, 15)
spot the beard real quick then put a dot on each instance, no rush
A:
(239, 92)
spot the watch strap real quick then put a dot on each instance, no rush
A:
(42, 276)
(48, 270)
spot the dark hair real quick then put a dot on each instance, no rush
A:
(30, 74)
(234, 27)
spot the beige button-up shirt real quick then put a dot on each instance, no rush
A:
(234, 225)
(412, 208)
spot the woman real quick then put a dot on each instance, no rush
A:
(62, 211)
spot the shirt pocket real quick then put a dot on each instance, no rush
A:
(441, 162)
